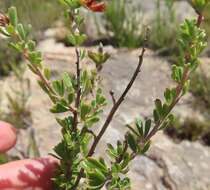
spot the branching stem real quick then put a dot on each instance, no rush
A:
(111, 114)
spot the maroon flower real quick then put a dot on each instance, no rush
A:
(4, 20)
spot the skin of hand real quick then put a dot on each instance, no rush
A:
(8, 136)
(29, 174)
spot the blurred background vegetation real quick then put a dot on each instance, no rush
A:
(41, 14)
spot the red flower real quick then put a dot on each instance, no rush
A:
(93, 5)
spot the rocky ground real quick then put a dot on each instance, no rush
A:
(184, 166)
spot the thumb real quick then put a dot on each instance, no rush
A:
(28, 174)
(8, 136)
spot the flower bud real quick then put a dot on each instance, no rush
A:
(4, 20)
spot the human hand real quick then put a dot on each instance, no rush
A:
(30, 174)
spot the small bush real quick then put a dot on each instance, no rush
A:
(190, 129)
(18, 112)
(7, 57)
(200, 88)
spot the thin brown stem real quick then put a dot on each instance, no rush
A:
(111, 114)
(117, 105)
(78, 96)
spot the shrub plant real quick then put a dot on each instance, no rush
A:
(7, 57)
(191, 129)
(81, 100)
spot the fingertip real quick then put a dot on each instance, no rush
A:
(8, 136)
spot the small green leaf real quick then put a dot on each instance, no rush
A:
(71, 97)
(58, 86)
(47, 73)
(59, 108)
(77, 39)
(13, 16)
(158, 106)
(67, 82)
(132, 142)
(31, 45)
(84, 110)
(146, 147)
(92, 120)
(147, 127)
(139, 126)
(21, 31)
(93, 164)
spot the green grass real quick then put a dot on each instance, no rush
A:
(163, 33)
(122, 22)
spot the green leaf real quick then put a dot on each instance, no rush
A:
(146, 147)
(58, 86)
(13, 16)
(77, 39)
(85, 109)
(158, 106)
(67, 82)
(96, 180)
(100, 99)
(139, 126)
(167, 95)
(156, 116)
(111, 151)
(71, 97)
(132, 142)
(59, 108)
(132, 130)
(147, 127)
(200, 5)
(21, 31)
(47, 73)
(10, 29)
(35, 58)
(92, 163)
(31, 45)
(92, 120)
